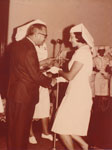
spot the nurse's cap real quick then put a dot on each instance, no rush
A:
(85, 34)
(101, 48)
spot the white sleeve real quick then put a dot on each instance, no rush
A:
(80, 56)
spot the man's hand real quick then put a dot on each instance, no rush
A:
(47, 62)
(50, 61)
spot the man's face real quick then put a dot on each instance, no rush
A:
(40, 36)
(101, 52)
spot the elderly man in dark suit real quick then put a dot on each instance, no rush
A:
(23, 90)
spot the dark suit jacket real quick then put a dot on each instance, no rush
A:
(25, 76)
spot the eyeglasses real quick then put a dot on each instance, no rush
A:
(45, 35)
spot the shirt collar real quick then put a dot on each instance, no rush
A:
(31, 41)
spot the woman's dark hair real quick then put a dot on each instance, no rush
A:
(66, 36)
(79, 37)
(31, 30)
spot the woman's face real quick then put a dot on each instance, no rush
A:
(73, 40)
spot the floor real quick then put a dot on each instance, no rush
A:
(43, 144)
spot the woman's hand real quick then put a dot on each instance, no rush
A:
(54, 81)
(60, 62)
(60, 72)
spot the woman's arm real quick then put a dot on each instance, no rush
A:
(76, 67)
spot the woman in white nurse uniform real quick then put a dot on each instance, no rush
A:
(73, 115)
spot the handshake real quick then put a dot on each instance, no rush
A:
(55, 74)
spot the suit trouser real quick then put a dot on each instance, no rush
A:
(19, 117)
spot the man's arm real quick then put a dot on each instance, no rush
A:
(33, 68)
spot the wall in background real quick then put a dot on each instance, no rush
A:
(4, 13)
(96, 15)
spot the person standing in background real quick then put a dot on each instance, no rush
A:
(101, 77)
(42, 109)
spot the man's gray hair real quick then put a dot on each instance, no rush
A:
(32, 29)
